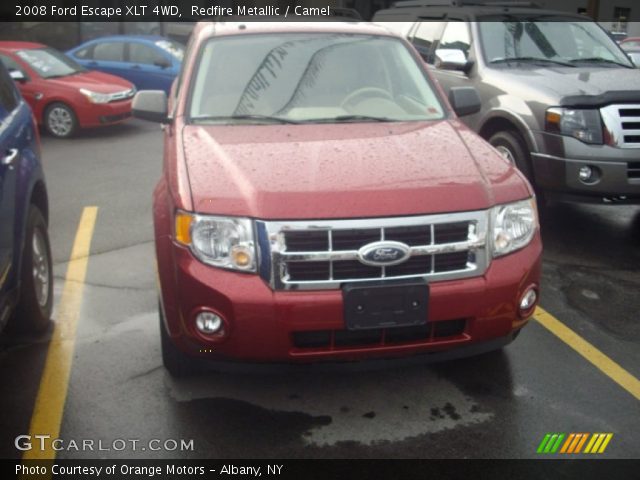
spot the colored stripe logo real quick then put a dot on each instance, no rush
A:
(573, 443)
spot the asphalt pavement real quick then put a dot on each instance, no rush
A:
(498, 405)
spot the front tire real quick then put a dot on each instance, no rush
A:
(60, 120)
(35, 303)
(511, 146)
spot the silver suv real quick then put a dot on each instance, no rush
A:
(559, 98)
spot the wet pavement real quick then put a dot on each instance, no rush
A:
(498, 405)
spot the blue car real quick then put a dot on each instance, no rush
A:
(150, 62)
(26, 281)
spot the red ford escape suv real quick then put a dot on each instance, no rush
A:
(320, 200)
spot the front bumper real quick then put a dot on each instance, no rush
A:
(302, 326)
(559, 160)
(104, 114)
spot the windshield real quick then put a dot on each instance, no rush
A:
(558, 40)
(49, 63)
(175, 49)
(310, 78)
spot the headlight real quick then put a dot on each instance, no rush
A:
(224, 242)
(583, 124)
(514, 225)
(95, 97)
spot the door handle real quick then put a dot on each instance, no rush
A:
(135, 67)
(10, 157)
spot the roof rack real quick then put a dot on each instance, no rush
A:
(463, 3)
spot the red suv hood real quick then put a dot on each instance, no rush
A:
(345, 170)
(95, 81)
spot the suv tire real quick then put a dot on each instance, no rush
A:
(33, 312)
(511, 145)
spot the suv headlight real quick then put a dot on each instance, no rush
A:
(225, 242)
(514, 225)
(95, 97)
(583, 124)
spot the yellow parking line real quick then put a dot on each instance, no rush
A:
(47, 413)
(607, 366)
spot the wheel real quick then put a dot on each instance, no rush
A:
(365, 92)
(511, 145)
(177, 363)
(60, 120)
(33, 312)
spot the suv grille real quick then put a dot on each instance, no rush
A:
(633, 170)
(623, 121)
(336, 339)
(324, 254)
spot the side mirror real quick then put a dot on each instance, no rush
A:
(17, 75)
(151, 105)
(452, 59)
(464, 100)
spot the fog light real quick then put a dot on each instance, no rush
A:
(209, 323)
(242, 256)
(585, 174)
(528, 300)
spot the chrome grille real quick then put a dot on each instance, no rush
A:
(623, 123)
(324, 254)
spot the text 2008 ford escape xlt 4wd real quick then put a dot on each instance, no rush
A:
(321, 201)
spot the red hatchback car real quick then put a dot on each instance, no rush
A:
(320, 200)
(63, 95)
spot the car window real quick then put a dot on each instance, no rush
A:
(8, 93)
(141, 53)
(631, 44)
(109, 51)
(426, 34)
(173, 48)
(311, 78)
(49, 63)
(84, 53)
(10, 64)
(456, 36)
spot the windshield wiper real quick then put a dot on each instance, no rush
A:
(599, 60)
(263, 118)
(531, 60)
(350, 118)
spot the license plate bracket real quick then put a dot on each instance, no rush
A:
(385, 304)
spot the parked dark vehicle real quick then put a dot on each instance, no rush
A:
(560, 98)
(26, 282)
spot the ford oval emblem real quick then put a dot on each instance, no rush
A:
(382, 254)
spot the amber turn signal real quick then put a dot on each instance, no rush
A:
(183, 228)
